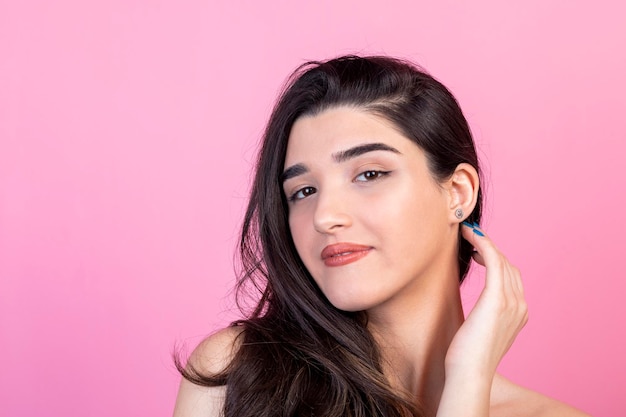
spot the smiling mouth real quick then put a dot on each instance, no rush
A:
(340, 254)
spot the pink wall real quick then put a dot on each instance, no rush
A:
(126, 134)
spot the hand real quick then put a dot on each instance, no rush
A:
(486, 335)
(496, 319)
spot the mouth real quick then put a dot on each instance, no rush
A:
(340, 254)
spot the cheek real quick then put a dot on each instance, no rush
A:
(299, 224)
(413, 217)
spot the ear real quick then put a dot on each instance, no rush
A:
(462, 189)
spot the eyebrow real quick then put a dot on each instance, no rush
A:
(358, 150)
(341, 156)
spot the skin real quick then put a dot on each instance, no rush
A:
(383, 198)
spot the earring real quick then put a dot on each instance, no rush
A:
(458, 213)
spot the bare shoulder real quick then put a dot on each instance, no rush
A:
(211, 357)
(216, 352)
(511, 400)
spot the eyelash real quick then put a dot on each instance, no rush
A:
(378, 175)
(294, 197)
(311, 190)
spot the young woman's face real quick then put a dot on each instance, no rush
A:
(367, 218)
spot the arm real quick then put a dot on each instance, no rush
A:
(487, 334)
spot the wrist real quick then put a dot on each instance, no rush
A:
(475, 369)
(467, 393)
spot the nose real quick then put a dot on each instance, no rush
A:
(331, 213)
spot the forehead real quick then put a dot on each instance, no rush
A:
(336, 129)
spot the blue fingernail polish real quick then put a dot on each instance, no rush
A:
(467, 224)
(476, 224)
(478, 232)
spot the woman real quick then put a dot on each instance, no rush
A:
(362, 222)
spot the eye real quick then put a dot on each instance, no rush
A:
(370, 175)
(302, 193)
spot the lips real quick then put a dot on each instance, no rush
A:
(344, 253)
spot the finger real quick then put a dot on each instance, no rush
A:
(509, 281)
(517, 280)
(478, 258)
(495, 264)
(518, 290)
(481, 242)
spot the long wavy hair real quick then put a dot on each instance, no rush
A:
(299, 355)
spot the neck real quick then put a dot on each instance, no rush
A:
(414, 336)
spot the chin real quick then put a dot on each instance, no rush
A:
(352, 303)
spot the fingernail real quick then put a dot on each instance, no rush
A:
(476, 225)
(478, 232)
(467, 224)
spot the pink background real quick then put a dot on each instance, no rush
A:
(127, 131)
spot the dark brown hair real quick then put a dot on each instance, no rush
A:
(299, 355)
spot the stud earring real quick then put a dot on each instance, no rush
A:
(458, 213)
